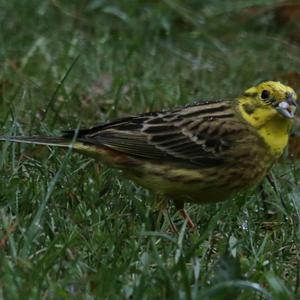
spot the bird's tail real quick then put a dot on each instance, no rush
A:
(39, 140)
(80, 145)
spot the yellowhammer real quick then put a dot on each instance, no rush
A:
(199, 153)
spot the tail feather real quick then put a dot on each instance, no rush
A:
(39, 140)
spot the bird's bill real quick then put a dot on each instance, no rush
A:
(287, 108)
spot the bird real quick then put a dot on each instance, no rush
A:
(202, 152)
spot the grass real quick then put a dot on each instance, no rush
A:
(72, 228)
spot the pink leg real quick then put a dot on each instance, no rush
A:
(185, 216)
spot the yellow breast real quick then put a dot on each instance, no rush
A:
(270, 126)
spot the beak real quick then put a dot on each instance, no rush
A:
(287, 108)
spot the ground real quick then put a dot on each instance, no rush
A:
(72, 228)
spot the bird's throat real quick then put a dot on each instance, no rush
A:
(271, 126)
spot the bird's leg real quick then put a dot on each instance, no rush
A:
(186, 216)
(183, 213)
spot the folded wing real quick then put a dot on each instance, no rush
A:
(199, 135)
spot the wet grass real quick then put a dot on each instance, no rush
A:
(71, 227)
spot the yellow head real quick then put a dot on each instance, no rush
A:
(269, 107)
(269, 99)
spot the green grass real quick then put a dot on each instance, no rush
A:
(72, 228)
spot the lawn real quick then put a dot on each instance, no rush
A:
(70, 227)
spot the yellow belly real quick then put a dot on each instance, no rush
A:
(198, 185)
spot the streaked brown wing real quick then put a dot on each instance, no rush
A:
(201, 134)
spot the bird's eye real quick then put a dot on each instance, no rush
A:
(265, 94)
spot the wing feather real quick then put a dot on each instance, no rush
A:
(196, 135)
